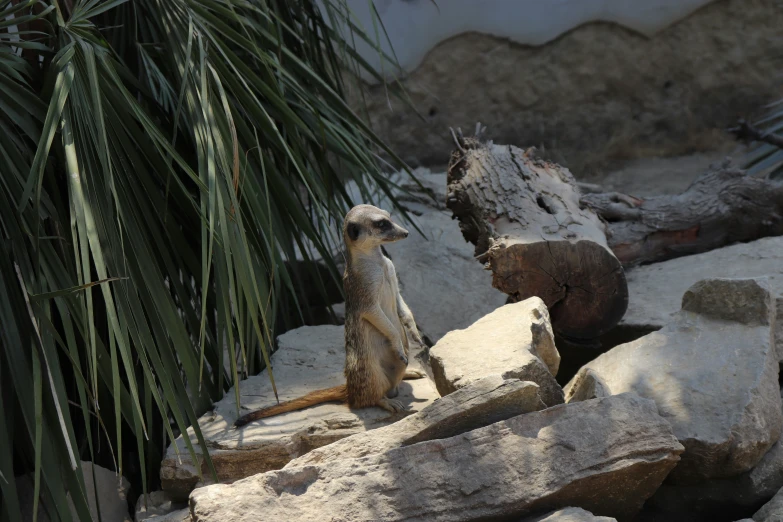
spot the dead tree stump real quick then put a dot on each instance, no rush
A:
(524, 216)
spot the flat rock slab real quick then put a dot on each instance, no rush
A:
(655, 291)
(514, 341)
(606, 455)
(571, 514)
(308, 358)
(713, 373)
(484, 402)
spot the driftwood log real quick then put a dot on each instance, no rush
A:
(525, 218)
(721, 207)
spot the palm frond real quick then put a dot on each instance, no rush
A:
(165, 161)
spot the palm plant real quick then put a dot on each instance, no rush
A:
(766, 154)
(160, 160)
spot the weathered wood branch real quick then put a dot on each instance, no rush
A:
(721, 207)
(746, 132)
(524, 216)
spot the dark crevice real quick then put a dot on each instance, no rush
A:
(543, 204)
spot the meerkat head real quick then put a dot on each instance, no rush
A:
(368, 227)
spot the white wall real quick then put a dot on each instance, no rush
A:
(416, 26)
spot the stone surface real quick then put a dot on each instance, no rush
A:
(571, 514)
(180, 515)
(307, 359)
(718, 498)
(626, 88)
(655, 291)
(158, 506)
(712, 372)
(443, 284)
(112, 493)
(479, 404)
(772, 511)
(514, 341)
(606, 455)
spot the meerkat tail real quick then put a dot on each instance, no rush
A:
(338, 393)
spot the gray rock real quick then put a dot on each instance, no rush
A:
(717, 498)
(112, 493)
(484, 402)
(712, 372)
(308, 358)
(158, 506)
(607, 455)
(515, 341)
(571, 514)
(772, 511)
(655, 291)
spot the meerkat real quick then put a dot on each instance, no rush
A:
(377, 322)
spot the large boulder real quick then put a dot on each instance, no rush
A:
(605, 455)
(570, 514)
(484, 402)
(712, 371)
(719, 498)
(655, 290)
(515, 341)
(307, 359)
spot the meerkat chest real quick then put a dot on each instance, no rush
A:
(388, 290)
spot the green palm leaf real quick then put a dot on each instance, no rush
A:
(163, 160)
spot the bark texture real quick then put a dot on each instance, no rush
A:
(525, 218)
(721, 207)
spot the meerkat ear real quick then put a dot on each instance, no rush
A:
(353, 231)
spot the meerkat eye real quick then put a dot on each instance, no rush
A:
(383, 224)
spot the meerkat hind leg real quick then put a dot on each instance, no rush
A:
(410, 373)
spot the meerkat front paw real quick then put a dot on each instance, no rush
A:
(392, 405)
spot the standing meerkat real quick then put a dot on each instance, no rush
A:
(377, 322)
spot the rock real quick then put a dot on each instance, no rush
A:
(772, 510)
(514, 341)
(180, 515)
(307, 359)
(479, 404)
(112, 493)
(655, 290)
(712, 372)
(158, 506)
(718, 498)
(606, 455)
(570, 514)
